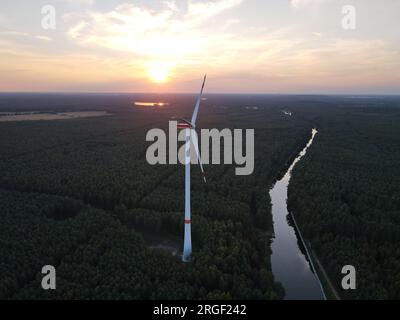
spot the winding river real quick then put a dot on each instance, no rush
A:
(290, 263)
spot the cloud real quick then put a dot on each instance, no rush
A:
(171, 5)
(207, 9)
(79, 2)
(131, 29)
(114, 50)
(183, 39)
(14, 33)
(45, 38)
(305, 3)
(167, 32)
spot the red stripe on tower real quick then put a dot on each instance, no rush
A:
(183, 126)
(187, 221)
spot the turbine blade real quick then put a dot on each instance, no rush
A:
(197, 107)
(195, 142)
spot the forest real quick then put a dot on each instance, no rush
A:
(345, 195)
(79, 195)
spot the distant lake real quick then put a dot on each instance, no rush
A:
(151, 104)
(36, 116)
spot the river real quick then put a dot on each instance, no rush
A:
(290, 265)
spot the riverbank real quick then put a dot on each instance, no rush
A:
(291, 263)
(329, 289)
(292, 157)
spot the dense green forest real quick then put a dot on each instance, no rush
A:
(345, 195)
(79, 195)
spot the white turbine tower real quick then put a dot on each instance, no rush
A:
(191, 138)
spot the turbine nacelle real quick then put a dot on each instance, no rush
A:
(185, 124)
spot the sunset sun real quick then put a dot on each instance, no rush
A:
(159, 72)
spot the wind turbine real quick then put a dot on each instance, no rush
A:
(191, 138)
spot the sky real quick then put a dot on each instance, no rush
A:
(244, 46)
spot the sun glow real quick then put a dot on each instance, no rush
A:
(159, 72)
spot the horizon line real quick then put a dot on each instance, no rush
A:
(196, 93)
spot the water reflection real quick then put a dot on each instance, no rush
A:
(150, 104)
(290, 265)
